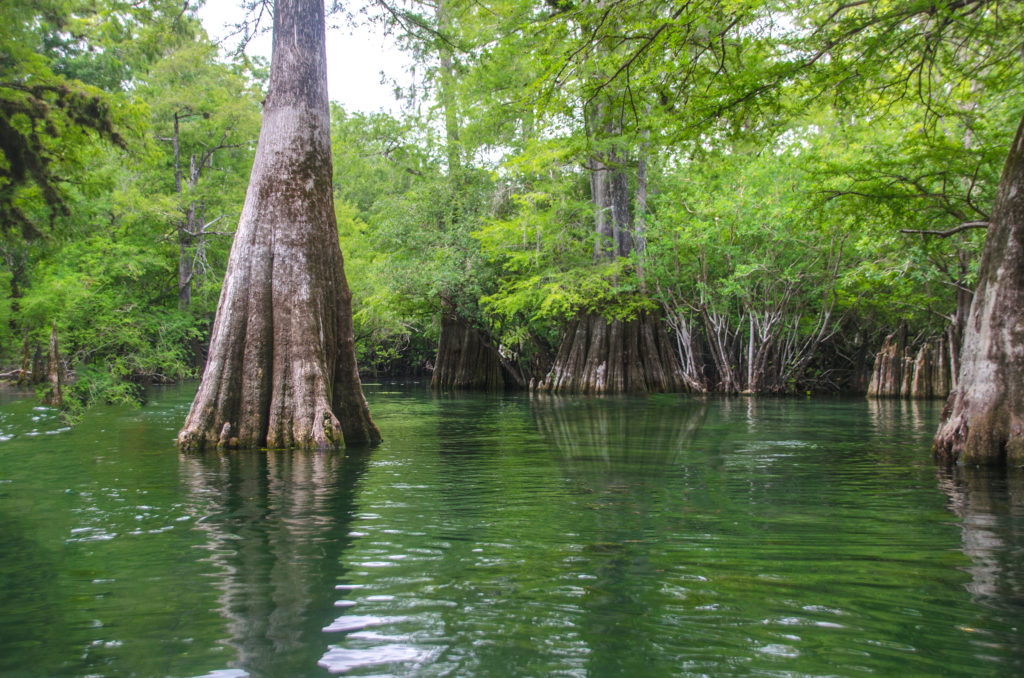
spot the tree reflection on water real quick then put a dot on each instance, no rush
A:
(990, 504)
(276, 524)
(626, 454)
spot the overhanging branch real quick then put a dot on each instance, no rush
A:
(945, 234)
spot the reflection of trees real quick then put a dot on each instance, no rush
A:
(889, 415)
(626, 454)
(275, 526)
(619, 434)
(990, 503)
(987, 501)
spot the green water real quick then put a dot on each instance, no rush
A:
(504, 536)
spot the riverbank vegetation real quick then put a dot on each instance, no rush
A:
(577, 197)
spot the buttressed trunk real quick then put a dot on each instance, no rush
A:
(281, 371)
(465, 359)
(597, 355)
(983, 420)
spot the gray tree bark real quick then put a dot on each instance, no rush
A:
(465, 358)
(983, 420)
(597, 355)
(281, 370)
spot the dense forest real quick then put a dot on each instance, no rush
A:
(578, 197)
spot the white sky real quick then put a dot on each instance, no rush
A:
(355, 61)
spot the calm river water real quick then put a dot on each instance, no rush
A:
(510, 536)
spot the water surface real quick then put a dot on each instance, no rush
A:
(510, 536)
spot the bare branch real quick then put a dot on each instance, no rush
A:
(945, 234)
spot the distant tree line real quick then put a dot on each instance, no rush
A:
(577, 197)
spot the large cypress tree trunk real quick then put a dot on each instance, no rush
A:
(983, 420)
(465, 358)
(598, 356)
(601, 356)
(281, 370)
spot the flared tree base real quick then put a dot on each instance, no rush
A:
(466, 359)
(618, 356)
(281, 370)
(992, 435)
(983, 421)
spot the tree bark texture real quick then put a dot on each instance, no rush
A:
(609, 190)
(465, 358)
(983, 420)
(599, 356)
(901, 371)
(281, 370)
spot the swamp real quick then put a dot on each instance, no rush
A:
(626, 338)
(497, 535)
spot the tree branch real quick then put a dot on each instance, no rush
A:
(945, 234)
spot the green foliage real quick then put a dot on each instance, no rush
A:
(406, 227)
(111, 316)
(544, 245)
(379, 176)
(738, 231)
(91, 209)
(787, 148)
(49, 118)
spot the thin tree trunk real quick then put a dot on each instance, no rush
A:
(37, 365)
(281, 370)
(54, 373)
(983, 420)
(186, 235)
(184, 225)
(25, 374)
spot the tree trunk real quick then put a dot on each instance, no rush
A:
(37, 365)
(598, 356)
(887, 378)
(54, 374)
(281, 371)
(465, 359)
(898, 374)
(922, 385)
(186, 234)
(184, 225)
(25, 374)
(942, 384)
(983, 420)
